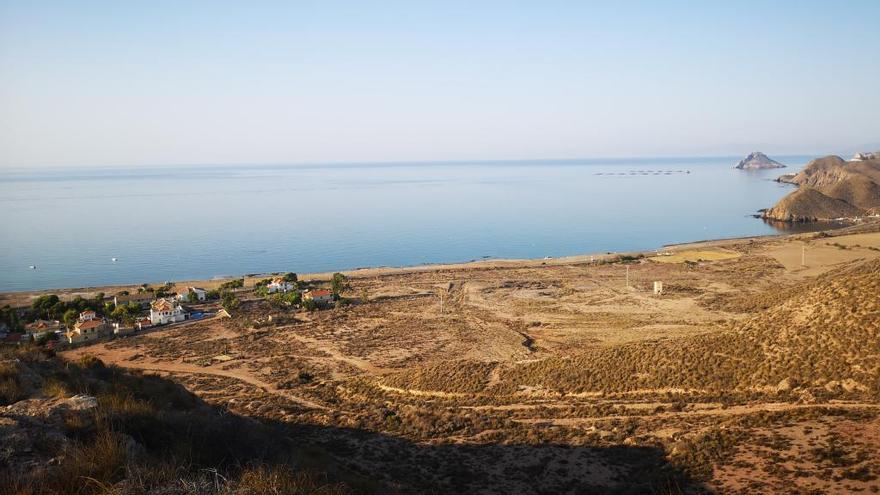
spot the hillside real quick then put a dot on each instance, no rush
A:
(82, 427)
(808, 204)
(824, 336)
(829, 188)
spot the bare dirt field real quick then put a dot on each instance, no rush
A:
(752, 372)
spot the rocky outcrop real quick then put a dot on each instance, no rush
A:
(809, 205)
(829, 188)
(758, 161)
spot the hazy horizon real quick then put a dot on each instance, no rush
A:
(108, 84)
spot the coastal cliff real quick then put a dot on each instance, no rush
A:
(758, 161)
(830, 188)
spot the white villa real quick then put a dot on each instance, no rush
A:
(280, 285)
(164, 311)
(201, 294)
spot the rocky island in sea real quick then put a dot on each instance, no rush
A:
(758, 161)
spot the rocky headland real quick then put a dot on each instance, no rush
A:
(831, 188)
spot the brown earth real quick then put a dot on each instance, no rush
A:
(751, 373)
(830, 188)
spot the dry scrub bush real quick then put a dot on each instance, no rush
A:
(457, 376)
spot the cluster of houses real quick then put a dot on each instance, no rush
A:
(319, 296)
(90, 326)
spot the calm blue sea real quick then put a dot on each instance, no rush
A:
(202, 222)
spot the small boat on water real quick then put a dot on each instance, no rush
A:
(33, 267)
(114, 259)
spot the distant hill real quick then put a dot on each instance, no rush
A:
(757, 161)
(830, 187)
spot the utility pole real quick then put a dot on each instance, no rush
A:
(627, 276)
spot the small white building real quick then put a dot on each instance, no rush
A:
(201, 294)
(87, 315)
(658, 288)
(279, 285)
(40, 328)
(164, 311)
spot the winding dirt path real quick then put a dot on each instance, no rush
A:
(122, 358)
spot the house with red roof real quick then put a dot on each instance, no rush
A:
(90, 328)
(320, 296)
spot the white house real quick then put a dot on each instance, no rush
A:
(164, 311)
(40, 328)
(201, 294)
(279, 285)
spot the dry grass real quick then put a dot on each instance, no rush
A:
(695, 256)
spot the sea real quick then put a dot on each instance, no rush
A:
(99, 226)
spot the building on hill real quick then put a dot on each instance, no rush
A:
(144, 323)
(164, 311)
(280, 285)
(42, 328)
(320, 296)
(201, 294)
(87, 315)
(142, 298)
(91, 328)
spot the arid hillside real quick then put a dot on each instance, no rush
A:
(830, 188)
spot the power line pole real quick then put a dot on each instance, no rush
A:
(627, 276)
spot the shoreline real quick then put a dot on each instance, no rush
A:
(11, 297)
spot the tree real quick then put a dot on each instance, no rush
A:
(276, 300)
(232, 284)
(192, 297)
(339, 284)
(43, 305)
(228, 301)
(290, 277)
(309, 305)
(69, 317)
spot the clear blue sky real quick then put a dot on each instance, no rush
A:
(100, 83)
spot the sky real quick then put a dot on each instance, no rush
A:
(110, 83)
